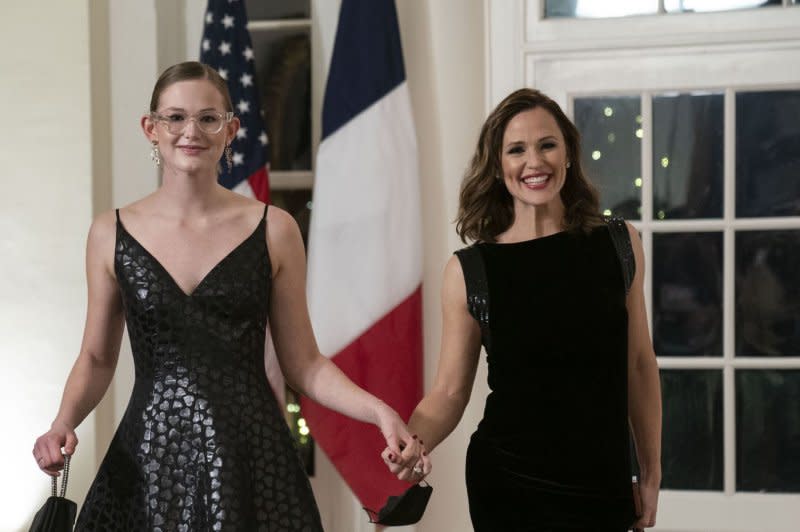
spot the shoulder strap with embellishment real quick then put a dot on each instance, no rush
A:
(622, 242)
(477, 289)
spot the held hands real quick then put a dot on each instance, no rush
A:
(405, 454)
(47, 449)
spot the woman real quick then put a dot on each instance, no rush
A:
(196, 271)
(570, 359)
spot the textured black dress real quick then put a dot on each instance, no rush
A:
(202, 444)
(552, 452)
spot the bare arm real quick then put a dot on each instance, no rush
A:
(439, 412)
(437, 415)
(306, 370)
(644, 390)
(93, 369)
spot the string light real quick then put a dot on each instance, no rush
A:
(639, 133)
(665, 161)
(596, 154)
(638, 182)
(608, 111)
(607, 212)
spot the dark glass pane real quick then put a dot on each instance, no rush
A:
(687, 156)
(768, 153)
(283, 71)
(598, 8)
(298, 204)
(277, 9)
(692, 441)
(612, 151)
(700, 6)
(768, 293)
(687, 294)
(768, 430)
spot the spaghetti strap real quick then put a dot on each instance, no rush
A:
(117, 211)
(266, 207)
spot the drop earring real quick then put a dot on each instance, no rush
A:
(155, 155)
(569, 164)
(229, 157)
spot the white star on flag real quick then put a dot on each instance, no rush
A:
(248, 53)
(209, 18)
(238, 158)
(223, 73)
(242, 133)
(225, 48)
(243, 106)
(246, 80)
(206, 45)
(227, 21)
(263, 138)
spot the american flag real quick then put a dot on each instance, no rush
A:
(226, 47)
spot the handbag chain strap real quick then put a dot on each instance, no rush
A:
(54, 482)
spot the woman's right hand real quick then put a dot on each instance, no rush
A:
(47, 449)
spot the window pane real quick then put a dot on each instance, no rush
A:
(598, 8)
(767, 154)
(767, 293)
(699, 6)
(283, 71)
(277, 9)
(687, 156)
(768, 430)
(687, 294)
(612, 151)
(692, 452)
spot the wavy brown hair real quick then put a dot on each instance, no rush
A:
(190, 70)
(486, 208)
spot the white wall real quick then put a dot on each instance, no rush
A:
(45, 212)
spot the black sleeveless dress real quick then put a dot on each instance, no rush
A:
(202, 445)
(552, 452)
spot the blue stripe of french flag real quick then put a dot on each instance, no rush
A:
(365, 241)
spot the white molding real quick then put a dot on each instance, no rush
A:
(646, 31)
(279, 24)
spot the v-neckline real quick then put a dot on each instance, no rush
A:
(202, 281)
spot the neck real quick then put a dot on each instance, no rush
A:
(190, 193)
(535, 221)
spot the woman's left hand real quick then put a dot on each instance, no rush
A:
(405, 453)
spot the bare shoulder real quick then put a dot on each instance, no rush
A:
(281, 226)
(103, 228)
(453, 284)
(634, 234)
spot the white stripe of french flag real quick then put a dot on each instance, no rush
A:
(365, 241)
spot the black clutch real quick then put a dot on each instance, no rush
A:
(405, 509)
(58, 513)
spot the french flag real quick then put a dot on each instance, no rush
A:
(365, 241)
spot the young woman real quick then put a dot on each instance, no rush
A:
(549, 289)
(196, 271)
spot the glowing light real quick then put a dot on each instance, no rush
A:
(638, 119)
(665, 161)
(608, 111)
(293, 407)
(607, 212)
(611, 138)
(638, 182)
(639, 133)
(304, 431)
(596, 154)
(661, 215)
(301, 422)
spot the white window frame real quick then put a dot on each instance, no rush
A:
(754, 49)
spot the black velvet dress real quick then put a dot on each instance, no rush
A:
(202, 445)
(552, 451)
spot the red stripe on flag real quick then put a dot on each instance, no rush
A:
(386, 361)
(259, 183)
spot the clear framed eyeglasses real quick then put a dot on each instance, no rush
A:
(209, 122)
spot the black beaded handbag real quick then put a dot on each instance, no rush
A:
(58, 513)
